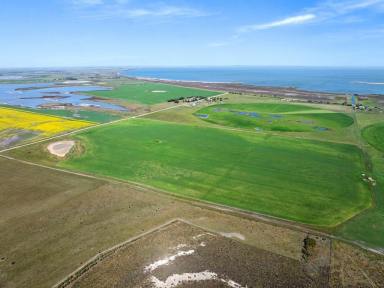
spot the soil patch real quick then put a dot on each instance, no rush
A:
(62, 148)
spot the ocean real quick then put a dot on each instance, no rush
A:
(338, 80)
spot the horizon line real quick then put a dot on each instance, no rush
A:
(189, 66)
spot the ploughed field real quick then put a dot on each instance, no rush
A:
(274, 117)
(151, 93)
(308, 181)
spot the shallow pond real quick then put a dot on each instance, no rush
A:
(48, 93)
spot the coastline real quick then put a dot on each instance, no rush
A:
(240, 88)
(320, 84)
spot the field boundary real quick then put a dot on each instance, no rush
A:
(69, 279)
(104, 254)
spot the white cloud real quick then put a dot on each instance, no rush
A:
(295, 20)
(326, 10)
(138, 13)
(160, 12)
(343, 7)
(332, 9)
(105, 9)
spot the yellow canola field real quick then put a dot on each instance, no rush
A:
(46, 125)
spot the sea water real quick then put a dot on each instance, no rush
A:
(338, 80)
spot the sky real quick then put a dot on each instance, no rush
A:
(68, 33)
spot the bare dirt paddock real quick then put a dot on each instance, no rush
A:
(183, 255)
(52, 223)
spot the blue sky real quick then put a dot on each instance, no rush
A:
(58, 33)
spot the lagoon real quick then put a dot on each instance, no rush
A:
(38, 94)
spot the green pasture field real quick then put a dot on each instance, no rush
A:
(93, 116)
(187, 115)
(308, 181)
(368, 227)
(374, 135)
(151, 93)
(274, 117)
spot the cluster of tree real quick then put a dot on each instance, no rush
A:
(309, 245)
(320, 101)
(186, 99)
